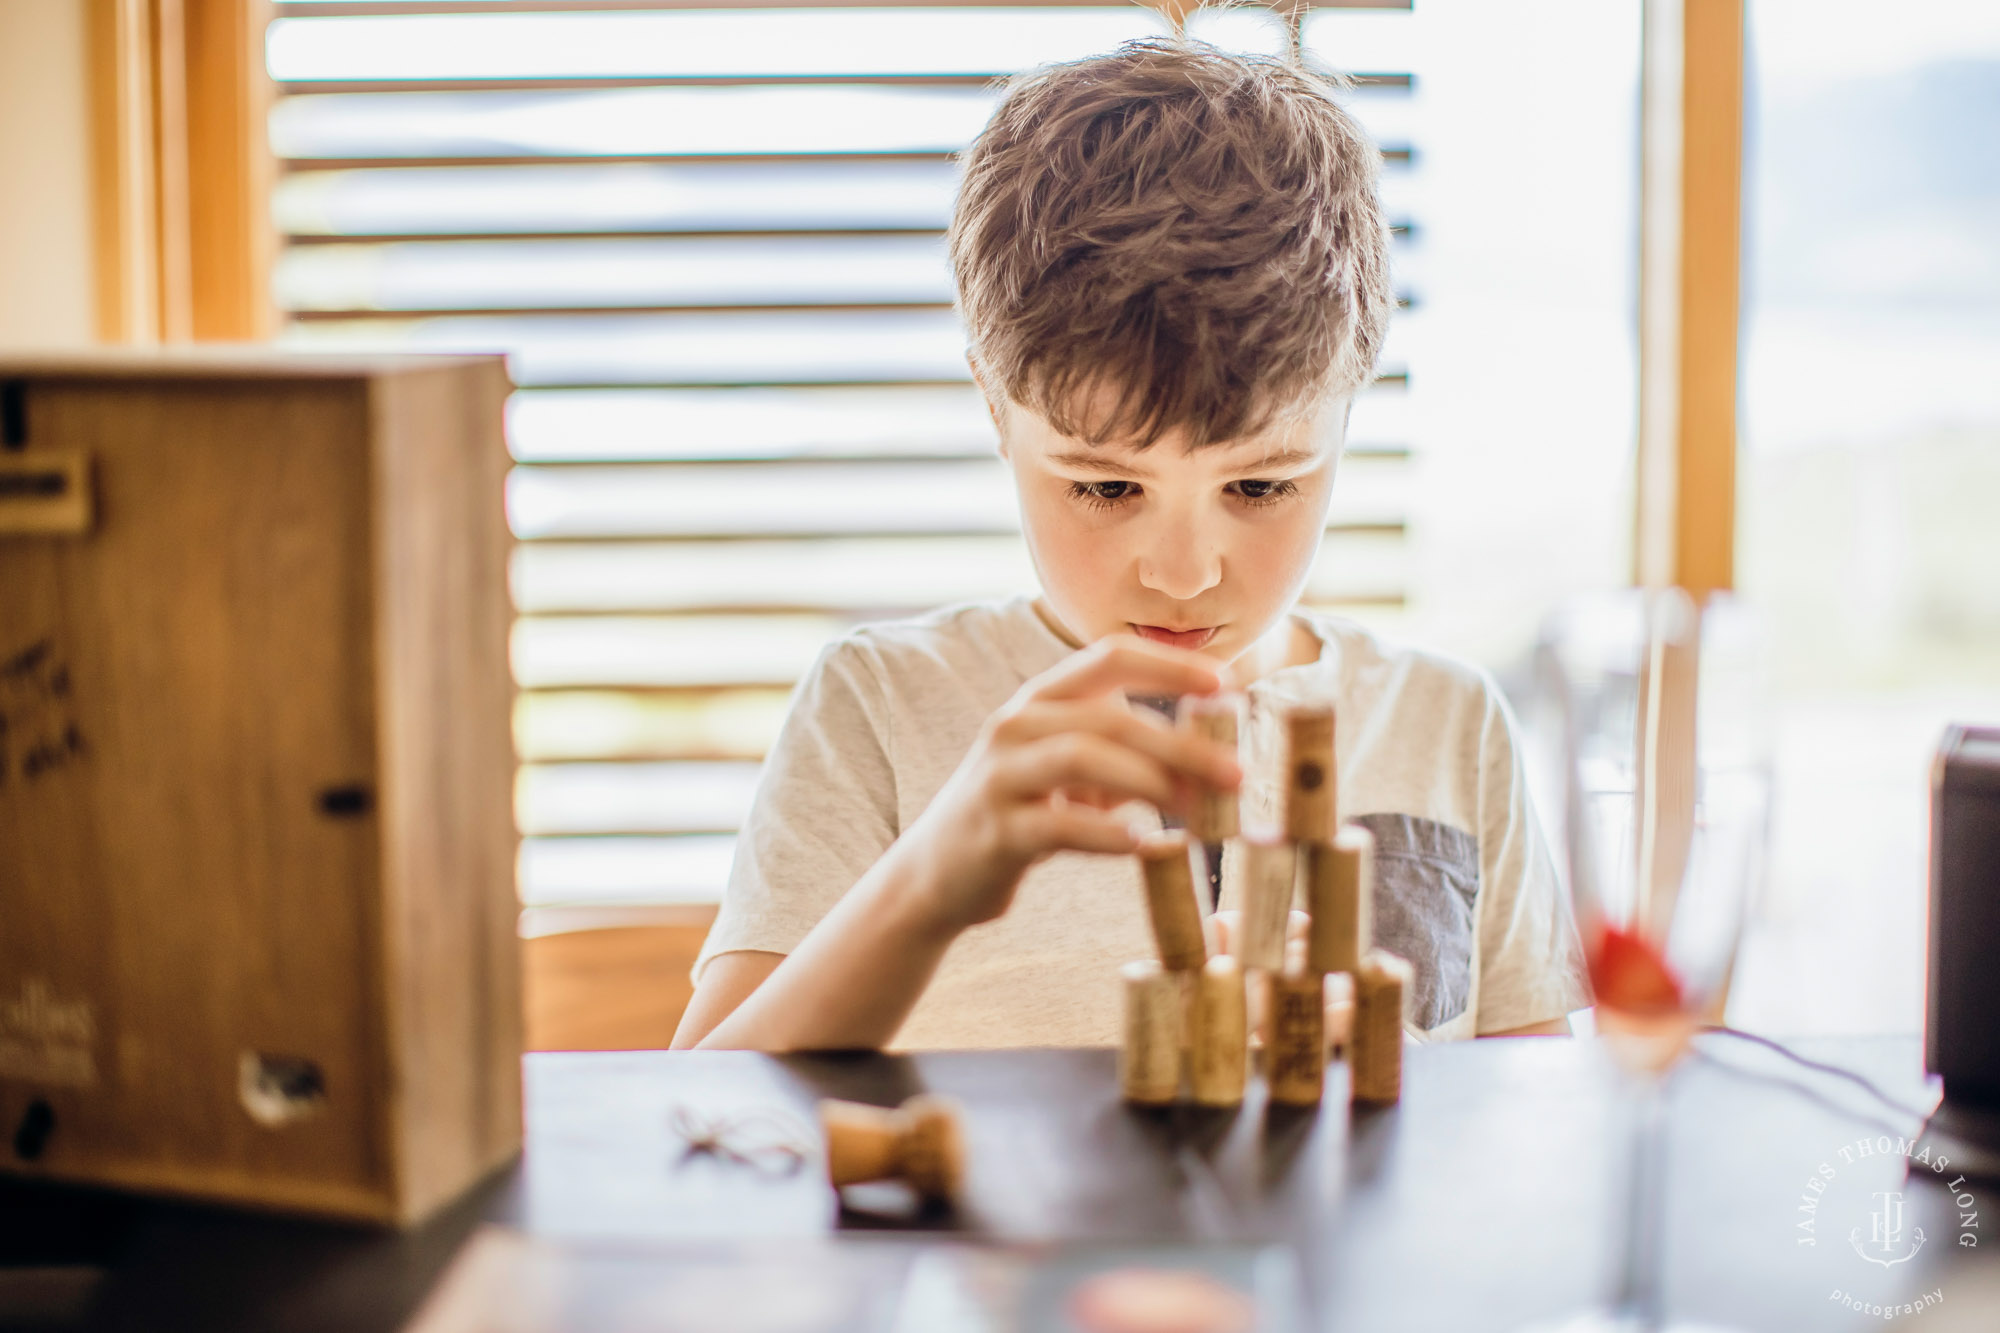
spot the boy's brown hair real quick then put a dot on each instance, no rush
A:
(1171, 236)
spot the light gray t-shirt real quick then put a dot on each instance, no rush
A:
(1426, 761)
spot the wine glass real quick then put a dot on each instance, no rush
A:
(1664, 768)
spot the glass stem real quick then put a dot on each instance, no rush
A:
(1638, 1297)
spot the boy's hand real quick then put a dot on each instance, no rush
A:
(1049, 768)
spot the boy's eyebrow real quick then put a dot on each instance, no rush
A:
(1089, 462)
(1283, 458)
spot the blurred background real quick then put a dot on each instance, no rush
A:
(710, 238)
(1870, 451)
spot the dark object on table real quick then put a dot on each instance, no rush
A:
(257, 915)
(1962, 1025)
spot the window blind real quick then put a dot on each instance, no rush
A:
(711, 240)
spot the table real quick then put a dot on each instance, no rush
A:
(1486, 1199)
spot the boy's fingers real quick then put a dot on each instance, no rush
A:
(1339, 1008)
(1224, 926)
(1196, 756)
(1298, 925)
(1094, 797)
(1075, 759)
(1339, 1022)
(1126, 661)
(1076, 828)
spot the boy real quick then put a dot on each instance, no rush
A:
(1173, 269)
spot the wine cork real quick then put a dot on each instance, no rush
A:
(1219, 1045)
(1214, 716)
(1297, 1048)
(1149, 1063)
(1340, 879)
(1380, 986)
(862, 1142)
(1309, 774)
(1170, 901)
(933, 1147)
(1268, 865)
(918, 1142)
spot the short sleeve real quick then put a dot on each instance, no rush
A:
(1531, 958)
(824, 810)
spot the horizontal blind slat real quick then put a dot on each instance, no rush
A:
(598, 799)
(709, 722)
(324, 8)
(789, 120)
(743, 43)
(721, 542)
(350, 86)
(725, 499)
(587, 426)
(579, 276)
(699, 350)
(873, 575)
(691, 868)
(707, 197)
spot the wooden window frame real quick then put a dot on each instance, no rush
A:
(1690, 262)
(180, 171)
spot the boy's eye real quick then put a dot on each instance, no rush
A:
(1264, 492)
(1103, 494)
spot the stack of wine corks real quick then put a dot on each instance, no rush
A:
(1186, 1019)
(1187, 1015)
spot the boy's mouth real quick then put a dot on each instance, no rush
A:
(1189, 638)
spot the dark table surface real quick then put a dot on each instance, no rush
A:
(1489, 1198)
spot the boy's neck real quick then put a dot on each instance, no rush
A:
(1288, 643)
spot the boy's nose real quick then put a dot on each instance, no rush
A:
(1180, 565)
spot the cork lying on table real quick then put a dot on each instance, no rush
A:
(919, 1142)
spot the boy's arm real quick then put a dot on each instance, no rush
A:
(725, 984)
(1045, 775)
(849, 984)
(1555, 1027)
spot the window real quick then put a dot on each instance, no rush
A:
(712, 242)
(1871, 456)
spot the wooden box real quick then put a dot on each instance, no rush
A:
(257, 908)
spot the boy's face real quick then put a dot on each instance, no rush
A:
(1206, 550)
